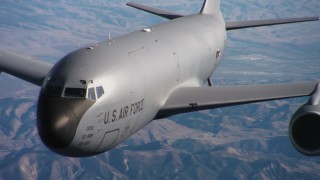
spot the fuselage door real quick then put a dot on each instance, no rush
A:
(108, 140)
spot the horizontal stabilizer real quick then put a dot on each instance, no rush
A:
(23, 67)
(155, 11)
(232, 25)
(189, 99)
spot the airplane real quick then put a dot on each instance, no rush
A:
(97, 96)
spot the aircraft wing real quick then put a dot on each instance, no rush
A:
(189, 99)
(155, 11)
(24, 67)
(232, 25)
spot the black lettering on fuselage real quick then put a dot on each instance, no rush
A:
(106, 119)
(120, 114)
(131, 110)
(136, 107)
(90, 128)
(114, 115)
(126, 111)
(123, 113)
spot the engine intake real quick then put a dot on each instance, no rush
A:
(304, 128)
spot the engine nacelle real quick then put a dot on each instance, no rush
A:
(304, 128)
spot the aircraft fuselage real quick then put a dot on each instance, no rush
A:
(126, 81)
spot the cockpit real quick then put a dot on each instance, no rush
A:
(85, 89)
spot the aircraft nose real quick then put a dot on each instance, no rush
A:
(58, 119)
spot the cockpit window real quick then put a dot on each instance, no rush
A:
(100, 91)
(91, 94)
(75, 92)
(51, 90)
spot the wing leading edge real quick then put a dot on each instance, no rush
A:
(232, 25)
(155, 11)
(189, 99)
(23, 67)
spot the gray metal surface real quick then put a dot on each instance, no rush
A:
(23, 67)
(232, 25)
(190, 99)
(210, 7)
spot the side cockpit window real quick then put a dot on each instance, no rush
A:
(75, 92)
(91, 94)
(100, 91)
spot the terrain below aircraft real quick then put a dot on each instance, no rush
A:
(97, 96)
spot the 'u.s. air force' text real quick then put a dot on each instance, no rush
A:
(121, 113)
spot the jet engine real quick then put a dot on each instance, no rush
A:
(304, 128)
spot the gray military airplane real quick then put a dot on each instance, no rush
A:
(96, 97)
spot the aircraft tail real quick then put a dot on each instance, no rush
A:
(210, 7)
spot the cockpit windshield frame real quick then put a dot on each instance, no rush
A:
(75, 92)
(85, 90)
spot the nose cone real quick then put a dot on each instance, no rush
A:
(58, 119)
